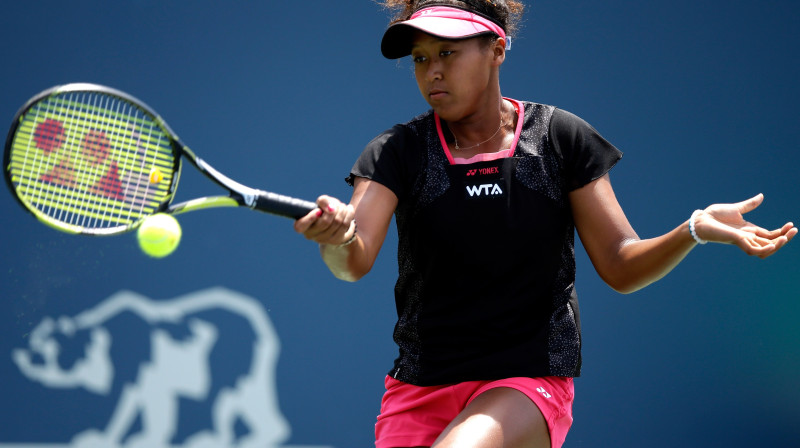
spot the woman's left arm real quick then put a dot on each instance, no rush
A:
(627, 263)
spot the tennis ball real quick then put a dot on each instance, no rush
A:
(159, 235)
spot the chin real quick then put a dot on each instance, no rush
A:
(445, 113)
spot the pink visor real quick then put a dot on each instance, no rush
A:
(440, 21)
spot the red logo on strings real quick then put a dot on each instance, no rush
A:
(95, 149)
(49, 135)
(61, 174)
(95, 146)
(109, 185)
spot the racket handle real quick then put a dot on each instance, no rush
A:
(281, 205)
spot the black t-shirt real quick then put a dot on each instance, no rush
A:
(486, 274)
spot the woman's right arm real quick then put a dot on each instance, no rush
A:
(333, 226)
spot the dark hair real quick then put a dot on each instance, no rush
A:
(507, 13)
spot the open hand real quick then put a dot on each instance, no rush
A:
(725, 223)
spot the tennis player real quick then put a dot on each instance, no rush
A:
(487, 192)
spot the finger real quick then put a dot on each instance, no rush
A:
(326, 220)
(330, 208)
(750, 204)
(785, 238)
(327, 204)
(769, 234)
(766, 251)
(328, 235)
(302, 225)
(756, 247)
(788, 228)
(333, 226)
(758, 242)
(315, 222)
(763, 248)
(791, 232)
(349, 222)
(343, 225)
(780, 242)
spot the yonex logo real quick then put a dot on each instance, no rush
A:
(483, 171)
(484, 190)
(543, 392)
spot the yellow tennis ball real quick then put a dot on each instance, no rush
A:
(159, 235)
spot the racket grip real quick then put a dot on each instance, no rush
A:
(286, 206)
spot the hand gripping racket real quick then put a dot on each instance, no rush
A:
(89, 159)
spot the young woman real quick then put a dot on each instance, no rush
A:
(487, 193)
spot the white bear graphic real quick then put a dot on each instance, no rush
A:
(177, 368)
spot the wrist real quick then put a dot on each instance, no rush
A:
(693, 227)
(353, 237)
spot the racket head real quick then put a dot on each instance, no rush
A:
(89, 159)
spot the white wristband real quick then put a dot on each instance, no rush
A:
(692, 228)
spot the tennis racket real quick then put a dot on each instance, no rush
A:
(89, 159)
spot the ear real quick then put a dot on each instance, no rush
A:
(499, 50)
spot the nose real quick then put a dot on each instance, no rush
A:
(434, 71)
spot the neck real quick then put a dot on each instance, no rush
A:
(486, 131)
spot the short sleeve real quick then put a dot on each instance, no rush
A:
(386, 160)
(586, 154)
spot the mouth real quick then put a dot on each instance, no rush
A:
(436, 94)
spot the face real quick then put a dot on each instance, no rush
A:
(456, 77)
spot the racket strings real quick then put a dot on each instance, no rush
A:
(71, 164)
(91, 160)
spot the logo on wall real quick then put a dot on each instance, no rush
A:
(215, 348)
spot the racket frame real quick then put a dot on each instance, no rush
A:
(239, 195)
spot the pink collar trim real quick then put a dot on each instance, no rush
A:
(484, 156)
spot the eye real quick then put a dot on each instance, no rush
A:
(445, 53)
(418, 59)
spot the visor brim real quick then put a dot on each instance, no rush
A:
(396, 42)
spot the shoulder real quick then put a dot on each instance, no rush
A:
(544, 118)
(587, 155)
(394, 155)
(565, 122)
(400, 134)
(402, 141)
(570, 132)
(560, 123)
